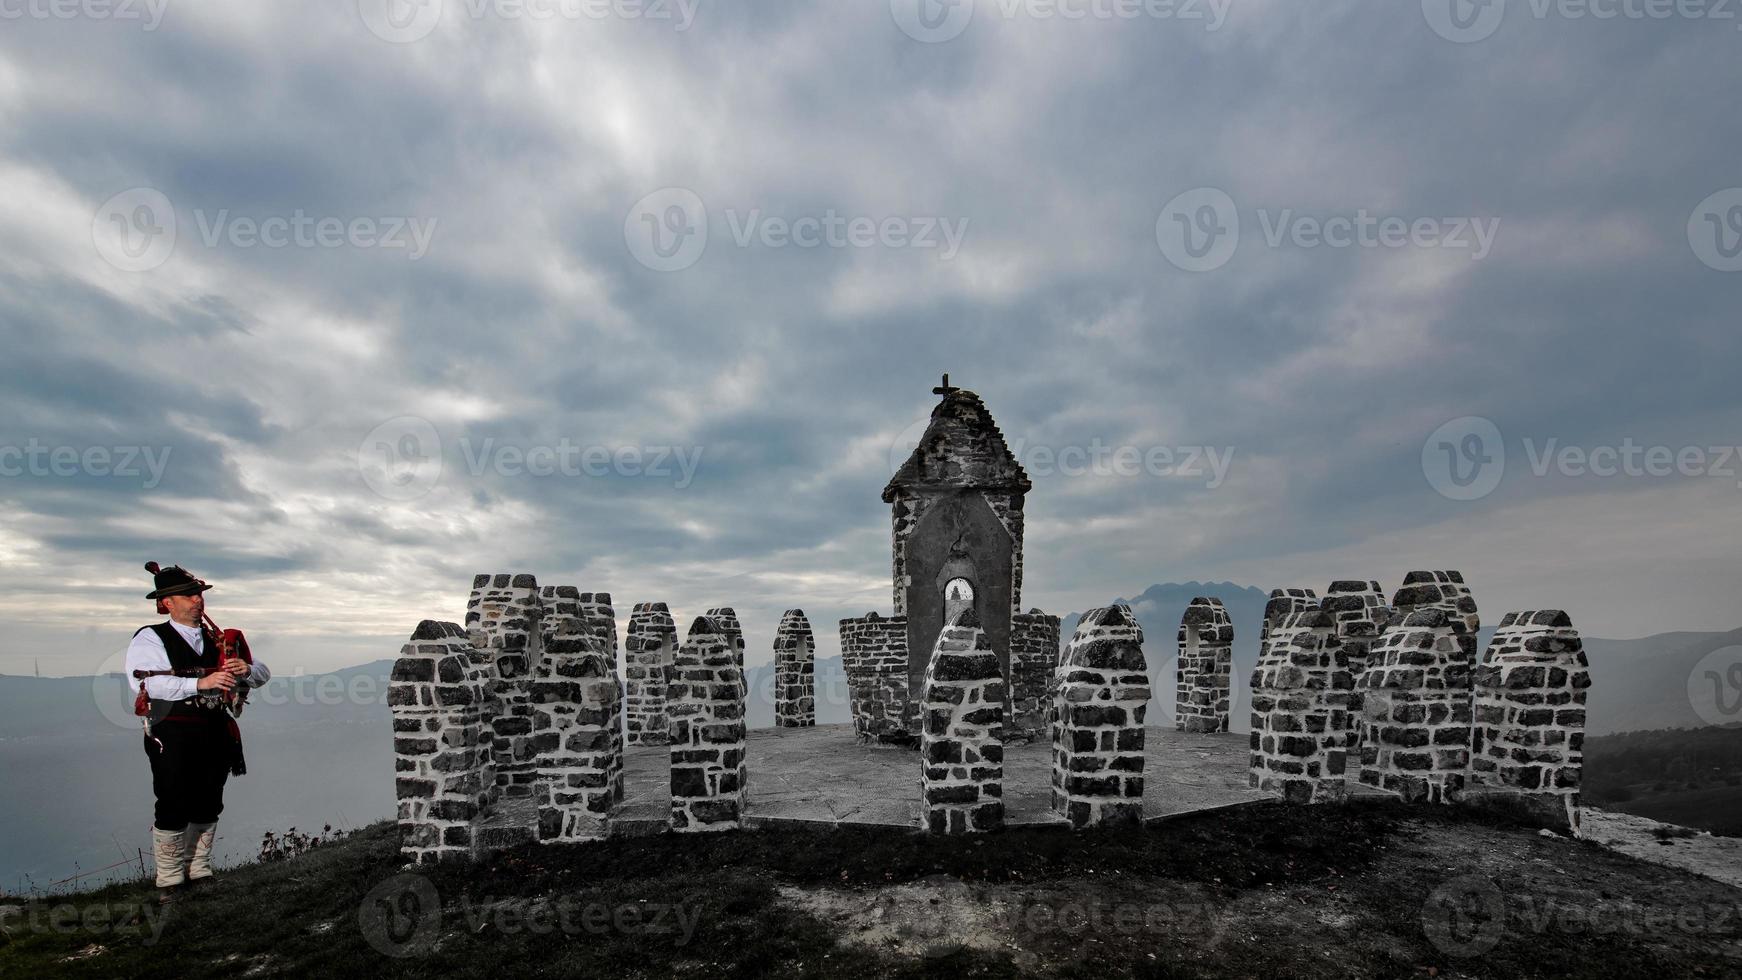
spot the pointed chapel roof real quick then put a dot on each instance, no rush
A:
(961, 448)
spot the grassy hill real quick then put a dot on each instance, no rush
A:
(1369, 889)
(1691, 777)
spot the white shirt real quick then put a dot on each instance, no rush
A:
(146, 652)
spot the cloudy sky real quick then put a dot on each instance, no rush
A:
(338, 304)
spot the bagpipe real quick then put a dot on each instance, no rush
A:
(232, 645)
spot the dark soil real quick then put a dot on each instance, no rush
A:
(1366, 889)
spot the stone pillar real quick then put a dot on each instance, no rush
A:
(726, 618)
(1415, 729)
(705, 704)
(1300, 711)
(961, 781)
(577, 733)
(1102, 696)
(795, 700)
(1528, 747)
(1437, 590)
(874, 655)
(1362, 617)
(648, 652)
(590, 611)
(1284, 603)
(503, 620)
(441, 751)
(1034, 656)
(1202, 700)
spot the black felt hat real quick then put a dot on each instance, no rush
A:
(173, 580)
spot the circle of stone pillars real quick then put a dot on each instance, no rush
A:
(795, 702)
(1206, 658)
(705, 708)
(577, 733)
(1416, 708)
(1527, 752)
(1300, 711)
(648, 650)
(440, 746)
(961, 748)
(1102, 696)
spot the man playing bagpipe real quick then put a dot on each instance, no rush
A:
(193, 679)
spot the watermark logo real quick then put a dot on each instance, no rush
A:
(1715, 686)
(1097, 457)
(1465, 458)
(141, 920)
(1469, 21)
(667, 230)
(1199, 231)
(1464, 21)
(113, 692)
(932, 21)
(405, 21)
(402, 916)
(149, 13)
(400, 21)
(1465, 917)
(38, 459)
(401, 459)
(936, 21)
(134, 231)
(1715, 230)
(302, 230)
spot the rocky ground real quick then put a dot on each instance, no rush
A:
(1367, 889)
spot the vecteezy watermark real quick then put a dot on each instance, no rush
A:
(1199, 231)
(1465, 459)
(937, 21)
(404, 21)
(137, 229)
(1715, 686)
(1465, 916)
(38, 459)
(134, 231)
(148, 13)
(1470, 916)
(668, 230)
(1715, 230)
(112, 691)
(402, 459)
(1469, 21)
(1097, 457)
(302, 230)
(143, 921)
(403, 917)
(935, 920)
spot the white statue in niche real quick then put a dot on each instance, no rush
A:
(958, 595)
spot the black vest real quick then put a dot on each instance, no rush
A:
(186, 662)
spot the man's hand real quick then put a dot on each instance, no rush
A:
(237, 667)
(222, 680)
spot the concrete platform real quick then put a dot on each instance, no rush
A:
(823, 775)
